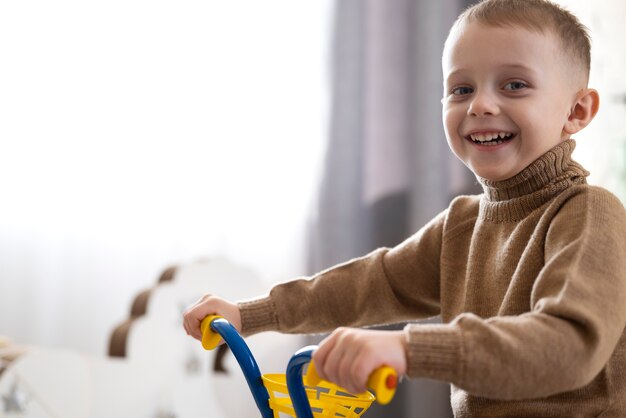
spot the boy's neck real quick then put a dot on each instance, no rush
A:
(513, 198)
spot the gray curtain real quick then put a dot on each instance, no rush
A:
(388, 169)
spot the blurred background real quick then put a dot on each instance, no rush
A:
(285, 136)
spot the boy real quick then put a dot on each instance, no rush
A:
(529, 278)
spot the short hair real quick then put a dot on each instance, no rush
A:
(537, 16)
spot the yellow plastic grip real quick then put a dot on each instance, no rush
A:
(383, 381)
(210, 338)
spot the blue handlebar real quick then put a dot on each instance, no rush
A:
(248, 364)
(295, 385)
(252, 373)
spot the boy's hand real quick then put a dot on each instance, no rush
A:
(209, 305)
(348, 356)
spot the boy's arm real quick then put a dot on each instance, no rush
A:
(360, 292)
(578, 315)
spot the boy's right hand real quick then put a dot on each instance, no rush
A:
(209, 305)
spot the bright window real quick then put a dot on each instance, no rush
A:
(135, 134)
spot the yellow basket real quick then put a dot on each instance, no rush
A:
(326, 399)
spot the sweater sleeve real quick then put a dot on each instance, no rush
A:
(577, 317)
(385, 286)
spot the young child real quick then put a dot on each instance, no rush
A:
(529, 277)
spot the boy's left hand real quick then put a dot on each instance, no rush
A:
(348, 356)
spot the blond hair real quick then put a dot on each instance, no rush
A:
(537, 16)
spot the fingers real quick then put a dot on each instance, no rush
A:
(349, 356)
(339, 359)
(194, 314)
(359, 370)
(321, 354)
(329, 355)
(209, 305)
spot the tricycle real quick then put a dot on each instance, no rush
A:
(297, 394)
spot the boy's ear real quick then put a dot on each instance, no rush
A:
(583, 110)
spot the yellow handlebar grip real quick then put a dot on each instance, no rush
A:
(383, 381)
(311, 378)
(210, 338)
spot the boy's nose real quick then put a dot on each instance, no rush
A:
(483, 103)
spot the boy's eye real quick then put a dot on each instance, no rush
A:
(461, 91)
(515, 85)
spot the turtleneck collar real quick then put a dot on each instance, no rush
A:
(512, 199)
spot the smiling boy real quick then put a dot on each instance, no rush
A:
(507, 76)
(529, 277)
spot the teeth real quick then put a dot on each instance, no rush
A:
(494, 137)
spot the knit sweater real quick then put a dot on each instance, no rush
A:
(529, 279)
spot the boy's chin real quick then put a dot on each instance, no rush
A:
(495, 175)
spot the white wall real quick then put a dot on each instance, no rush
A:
(135, 134)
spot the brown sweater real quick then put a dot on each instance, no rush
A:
(529, 279)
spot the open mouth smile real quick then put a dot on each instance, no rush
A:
(490, 138)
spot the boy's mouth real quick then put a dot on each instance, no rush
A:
(490, 138)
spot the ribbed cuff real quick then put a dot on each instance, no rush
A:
(257, 316)
(434, 351)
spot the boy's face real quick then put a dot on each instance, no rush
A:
(507, 96)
